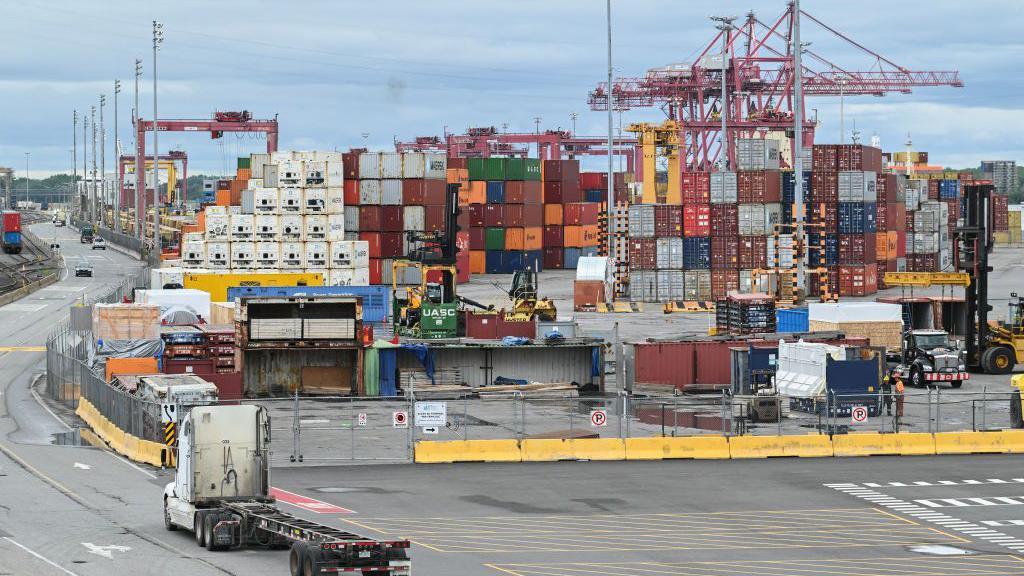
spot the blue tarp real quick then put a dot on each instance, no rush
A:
(425, 357)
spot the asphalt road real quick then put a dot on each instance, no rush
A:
(84, 511)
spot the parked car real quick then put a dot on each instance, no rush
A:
(98, 244)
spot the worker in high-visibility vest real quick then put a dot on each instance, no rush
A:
(898, 389)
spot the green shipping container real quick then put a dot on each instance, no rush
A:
(439, 320)
(515, 169)
(476, 168)
(494, 239)
(243, 162)
(531, 169)
(494, 169)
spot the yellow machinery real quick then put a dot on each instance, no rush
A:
(655, 141)
(526, 304)
(166, 166)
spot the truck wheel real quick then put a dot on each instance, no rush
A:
(209, 535)
(197, 527)
(998, 360)
(296, 557)
(312, 561)
(167, 519)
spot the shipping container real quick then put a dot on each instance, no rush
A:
(696, 220)
(315, 227)
(724, 220)
(759, 186)
(369, 192)
(723, 188)
(643, 254)
(856, 217)
(858, 186)
(290, 201)
(697, 253)
(292, 228)
(391, 192)
(724, 252)
(642, 221)
(696, 187)
(337, 225)
(267, 227)
(669, 254)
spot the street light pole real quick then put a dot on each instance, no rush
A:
(27, 154)
(798, 139)
(724, 23)
(93, 196)
(85, 168)
(140, 167)
(117, 165)
(74, 155)
(158, 38)
(612, 248)
(103, 161)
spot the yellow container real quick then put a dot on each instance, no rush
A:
(217, 283)
(1001, 237)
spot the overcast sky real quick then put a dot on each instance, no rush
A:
(334, 71)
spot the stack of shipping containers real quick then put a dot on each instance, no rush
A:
(890, 224)
(290, 218)
(570, 220)
(506, 214)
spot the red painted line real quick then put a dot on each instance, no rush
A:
(311, 504)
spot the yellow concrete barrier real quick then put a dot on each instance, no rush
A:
(646, 448)
(807, 445)
(1013, 440)
(915, 443)
(866, 444)
(975, 442)
(551, 450)
(430, 452)
(697, 447)
(132, 447)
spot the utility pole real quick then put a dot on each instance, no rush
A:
(85, 168)
(798, 140)
(140, 174)
(103, 162)
(27, 154)
(536, 124)
(611, 167)
(74, 156)
(724, 23)
(573, 116)
(158, 38)
(93, 197)
(117, 164)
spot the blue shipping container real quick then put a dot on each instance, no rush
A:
(12, 238)
(495, 192)
(595, 195)
(789, 190)
(697, 253)
(794, 320)
(571, 258)
(949, 189)
(827, 257)
(857, 217)
(520, 260)
(376, 299)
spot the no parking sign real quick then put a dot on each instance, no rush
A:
(598, 418)
(858, 414)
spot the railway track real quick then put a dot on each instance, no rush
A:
(33, 263)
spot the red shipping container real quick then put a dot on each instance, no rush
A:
(514, 192)
(412, 192)
(553, 237)
(857, 249)
(462, 273)
(881, 217)
(391, 219)
(433, 218)
(369, 218)
(643, 253)
(858, 280)
(477, 215)
(463, 219)
(533, 215)
(533, 192)
(826, 214)
(725, 220)
(668, 221)
(494, 215)
(571, 192)
(435, 192)
(933, 189)
(372, 240)
(477, 239)
(552, 256)
(351, 192)
(696, 220)
(818, 281)
(594, 180)
(696, 187)
(350, 166)
(759, 186)
(376, 271)
(723, 282)
(12, 221)
(711, 359)
(229, 384)
(901, 244)
(824, 157)
(481, 326)
(825, 187)
(562, 171)
(859, 157)
(583, 214)
(753, 252)
(458, 163)
(513, 215)
(391, 245)
(552, 192)
(724, 252)
(207, 366)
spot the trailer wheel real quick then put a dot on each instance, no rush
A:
(167, 518)
(296, 558)
(312, 562)
(197, 527)
(209, 532)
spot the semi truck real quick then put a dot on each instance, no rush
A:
(87, 234)
(927, 357)
(221, 492)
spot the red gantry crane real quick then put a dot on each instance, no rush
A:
(220, 123)
(759, 79)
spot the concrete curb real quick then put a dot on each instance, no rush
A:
(722, 447)
(131, 447)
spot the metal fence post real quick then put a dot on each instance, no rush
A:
(572, 413)
(626, 411)
(778, 411)
(938, 410)
(465, 418)
(296, 430)
(722, 403)
(984, 407)
(352, 428)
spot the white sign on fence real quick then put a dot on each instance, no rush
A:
(431, 414)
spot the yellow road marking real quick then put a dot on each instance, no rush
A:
(22, 348)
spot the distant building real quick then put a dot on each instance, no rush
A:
(1002, 173)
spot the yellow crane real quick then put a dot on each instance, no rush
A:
(659, 140)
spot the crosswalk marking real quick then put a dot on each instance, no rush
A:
(925, 511)
(965, 502)
(916, 483)
(1003, 522)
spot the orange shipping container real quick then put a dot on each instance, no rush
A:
(201, 220)
(580, 236)
(190, 228)
(533, 238)
(514, 238)
(452, 175)
(882, 247)
(244, 173)
(893, 249)
(116, 366)
(223, 198)
(478, 192)
(478, 261)
(552, 214)
(464, 194)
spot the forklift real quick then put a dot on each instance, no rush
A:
(431, 310)
(992, 347)
(526, 304)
